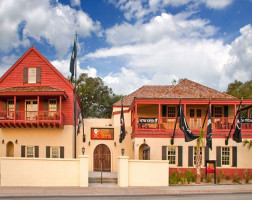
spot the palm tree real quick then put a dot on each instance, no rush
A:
(200, 143)
(247, 143)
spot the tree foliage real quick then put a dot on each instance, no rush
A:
(240, 89)
(97, 99)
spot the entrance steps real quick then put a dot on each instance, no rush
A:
(107, 177)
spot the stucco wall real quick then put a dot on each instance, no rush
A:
(43, 172)
(41, 137)
(114, 145)
(244, 156)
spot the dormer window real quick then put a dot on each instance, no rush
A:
(31, 75)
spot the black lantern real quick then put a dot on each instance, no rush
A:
(83, 150)
(122, 151)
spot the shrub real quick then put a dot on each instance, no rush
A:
(208, 178)
(228, 177)
(237, 178)
(174, 178)
(189, 176)
(247, 176)
(220, 176)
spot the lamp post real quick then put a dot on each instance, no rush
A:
(83, 150)
(122, 151)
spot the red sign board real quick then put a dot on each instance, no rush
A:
(102, 133)
(210, 168)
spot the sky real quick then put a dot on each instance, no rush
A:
(131, 43)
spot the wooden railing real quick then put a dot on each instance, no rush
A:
(168, 123)
(31, 116)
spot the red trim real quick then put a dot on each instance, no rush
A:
(118, 112)
(34, 94)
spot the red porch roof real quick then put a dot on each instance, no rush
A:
(32, 91)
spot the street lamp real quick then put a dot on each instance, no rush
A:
(83, 150)
(122, 151)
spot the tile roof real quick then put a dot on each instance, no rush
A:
(186, 89)
(30, 89)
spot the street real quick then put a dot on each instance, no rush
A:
(230, 196)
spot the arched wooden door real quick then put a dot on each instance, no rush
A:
(102, 158)
(10, 149)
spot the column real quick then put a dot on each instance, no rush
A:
(123, 171)
(84, 170)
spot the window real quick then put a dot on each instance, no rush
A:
(225, 156)
(198, 112)
(31, 75)
(29, 151)
(191, 112)
(52, 105)
(217, 111)
(10, 108)
(171, 111)
(55, 152)
(172, 155)
(195, 156)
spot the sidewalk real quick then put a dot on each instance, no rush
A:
(114, 190)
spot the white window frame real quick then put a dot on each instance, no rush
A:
(229, 156)
(53, 154)
(29, 154)
(10, 108)
(195, 155)
(172, 147)
(32, 75)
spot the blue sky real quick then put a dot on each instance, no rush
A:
(130, 43)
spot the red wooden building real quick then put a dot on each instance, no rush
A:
(36, 106)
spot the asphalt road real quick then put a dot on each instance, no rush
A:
(231, 196)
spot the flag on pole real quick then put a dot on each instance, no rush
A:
(73, 59)
(209, 129)
(237, 137)
(122, 124)
(185, 128)
(80, 119)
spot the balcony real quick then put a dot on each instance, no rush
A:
(165, 126)
(29, 119)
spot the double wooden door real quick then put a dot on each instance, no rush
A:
(102, 158)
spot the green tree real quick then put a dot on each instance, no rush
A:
(96, 98)
(240, 89)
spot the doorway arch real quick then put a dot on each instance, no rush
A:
(102, 158)
(144, 152)
(10, 149)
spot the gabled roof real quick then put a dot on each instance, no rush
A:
(186, 89)
(32, 48)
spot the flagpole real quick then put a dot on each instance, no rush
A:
(172, 139)
(226, 141)
(75, 103)
(206, 115)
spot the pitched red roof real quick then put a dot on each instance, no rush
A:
(146, 91)
(186, 89)
(32, 90)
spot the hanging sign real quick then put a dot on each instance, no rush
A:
(102, 133)
(148, 121)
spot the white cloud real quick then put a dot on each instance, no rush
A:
(42, 21)
(63, 67)
(125, 82)
(139, 9)
(163, 26)
(170, 47)
(239, 65)
(75, 2)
